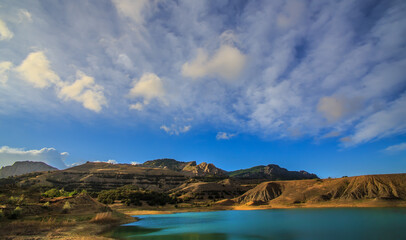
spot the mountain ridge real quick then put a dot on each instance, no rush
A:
(23, 167)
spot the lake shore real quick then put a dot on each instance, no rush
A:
(338, 204)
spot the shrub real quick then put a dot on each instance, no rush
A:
(16, 213)
(53, 193)
(66, 207)
(1, 214)
(46, 205)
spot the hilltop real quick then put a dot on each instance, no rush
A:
(271, 172)
(23, 167)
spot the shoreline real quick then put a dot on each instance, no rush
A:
(361, 204)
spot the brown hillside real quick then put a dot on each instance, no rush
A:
(100, 176)
(209, 190)
(382, 187)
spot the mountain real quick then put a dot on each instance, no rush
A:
(167, 163)
(387, 187)
(271, 172)
(97, 176)
(23, 167)
(190, 169)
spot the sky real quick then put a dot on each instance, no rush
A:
(308, 85)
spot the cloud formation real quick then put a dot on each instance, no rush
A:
(5, 67)
(396, 148)
(36, 69)
(5, 33)
(49, 156)
(148, 88)
(298, 70)
(225, 136)
(86, 91)
(227, 62)
(175, 130)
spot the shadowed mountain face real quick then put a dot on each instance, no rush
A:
(271, 172)
(23, 167)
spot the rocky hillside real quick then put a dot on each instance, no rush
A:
(224, 189)
(190, 169)
(23, 167)
(96, 176)
(166, 163)
(271, 172)
(383, 187)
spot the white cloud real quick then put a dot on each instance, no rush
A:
(112, 161)
(225, 136)
(137, 106)
(49, 156)
(382, 123)
(175, 130)
(23, 15)
(36, 70)
(135, 163)
(396, 148)
(149, 87)
(4, 68)
(5, 33)
(86, 91)
(227, 63)
(132, 9)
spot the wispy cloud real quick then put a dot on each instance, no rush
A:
(225, 136)
(396, 148)
(175, 130)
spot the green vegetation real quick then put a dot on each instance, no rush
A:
(53, 193)
(132, 196)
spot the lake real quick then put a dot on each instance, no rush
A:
(289, 224)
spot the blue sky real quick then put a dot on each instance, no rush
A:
(314, 85)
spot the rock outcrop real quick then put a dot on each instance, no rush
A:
(190, 169)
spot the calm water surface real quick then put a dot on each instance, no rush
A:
(292, 224)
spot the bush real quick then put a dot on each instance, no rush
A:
(17, 212)
(1, 214)
(53, 193)
(66, 207)
(46, 205)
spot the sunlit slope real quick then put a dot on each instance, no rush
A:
(383, 187)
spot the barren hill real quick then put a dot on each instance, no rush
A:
(97, 176)
(23, 167)
(383, 187)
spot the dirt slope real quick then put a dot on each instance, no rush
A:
(382, 187)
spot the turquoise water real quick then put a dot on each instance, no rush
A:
(292, 224)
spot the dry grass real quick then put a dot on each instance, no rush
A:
(104, 218)
(32, 227)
